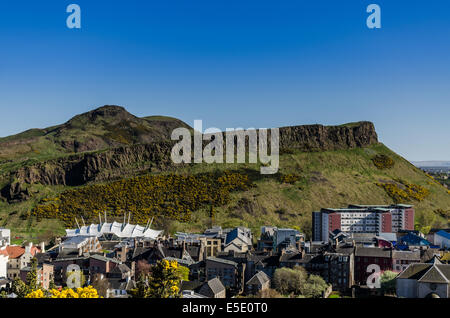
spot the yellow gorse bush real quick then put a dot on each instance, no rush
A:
(383, 162)
(404, 191)
(289, 178)
(171, 196)
(82, 292)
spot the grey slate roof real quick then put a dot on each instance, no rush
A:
(372, 252)
(221, 260)
(406, 255)
(430, 273)
(121, 268)
(104, 259)
(215, 285)
(259, 278)
(414, 271)
(437, 274)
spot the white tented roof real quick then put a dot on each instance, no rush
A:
(119, 229)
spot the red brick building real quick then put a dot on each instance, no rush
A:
(365, 256)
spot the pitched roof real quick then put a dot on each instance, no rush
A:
(291, 257)
(215, 285)
(221, 260)
(413, 239)
(406, 255)
(435, 275)
(443, 234)
(15, 251)
(372, 252)
(435, 260)
(121, 268)
(104, 258)
(414, 271)
(259, 278)
(241, 234)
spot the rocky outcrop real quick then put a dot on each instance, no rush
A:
(79, 169)
(14, 192)
(83, 168)
(322, 138)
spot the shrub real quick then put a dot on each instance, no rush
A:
(383, 162)
(287, 280)
(314, 287)
(289, 178)
(407, 192)
(387, 281)
(268, 293)
(172, 196)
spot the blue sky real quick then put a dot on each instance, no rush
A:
(234, 63)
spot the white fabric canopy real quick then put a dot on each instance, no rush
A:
(119, 229)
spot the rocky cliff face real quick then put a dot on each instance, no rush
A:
(322, 138)
(125, 161)
(80, 169)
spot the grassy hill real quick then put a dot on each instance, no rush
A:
(307, 181)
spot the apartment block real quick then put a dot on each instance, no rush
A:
(374, 219)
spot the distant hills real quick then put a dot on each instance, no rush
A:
(320, 166)
(420, 164)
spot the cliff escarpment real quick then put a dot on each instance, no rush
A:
(125, 161)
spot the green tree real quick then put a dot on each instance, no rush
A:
(101, 284)
(142, 289)
(19, 288)
(289, 281)
(314, 287)
(32, 276)
(165, 279)
(388, 282)
(184, 273)
(52, 285)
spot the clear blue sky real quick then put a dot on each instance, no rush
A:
(234, 63)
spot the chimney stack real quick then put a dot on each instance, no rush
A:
(28, 247)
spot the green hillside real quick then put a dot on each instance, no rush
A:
(306, 182)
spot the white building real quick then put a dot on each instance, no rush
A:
(375, 219)
(424, 281)
(5, 237)
(3, 265)
(442, 239)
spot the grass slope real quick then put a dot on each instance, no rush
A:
(326, 179)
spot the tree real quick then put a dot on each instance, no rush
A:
(32, 275)
(268, 293)
(101, 284)
(289, 281)
(52, 285)
(163, 282)
(143, 267)
(19, 288)
(165, 279)
(314, 287)
(142, 290)
(388, 282)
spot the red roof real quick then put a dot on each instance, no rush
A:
(14, 251)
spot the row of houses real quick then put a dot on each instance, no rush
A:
(228, 262)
